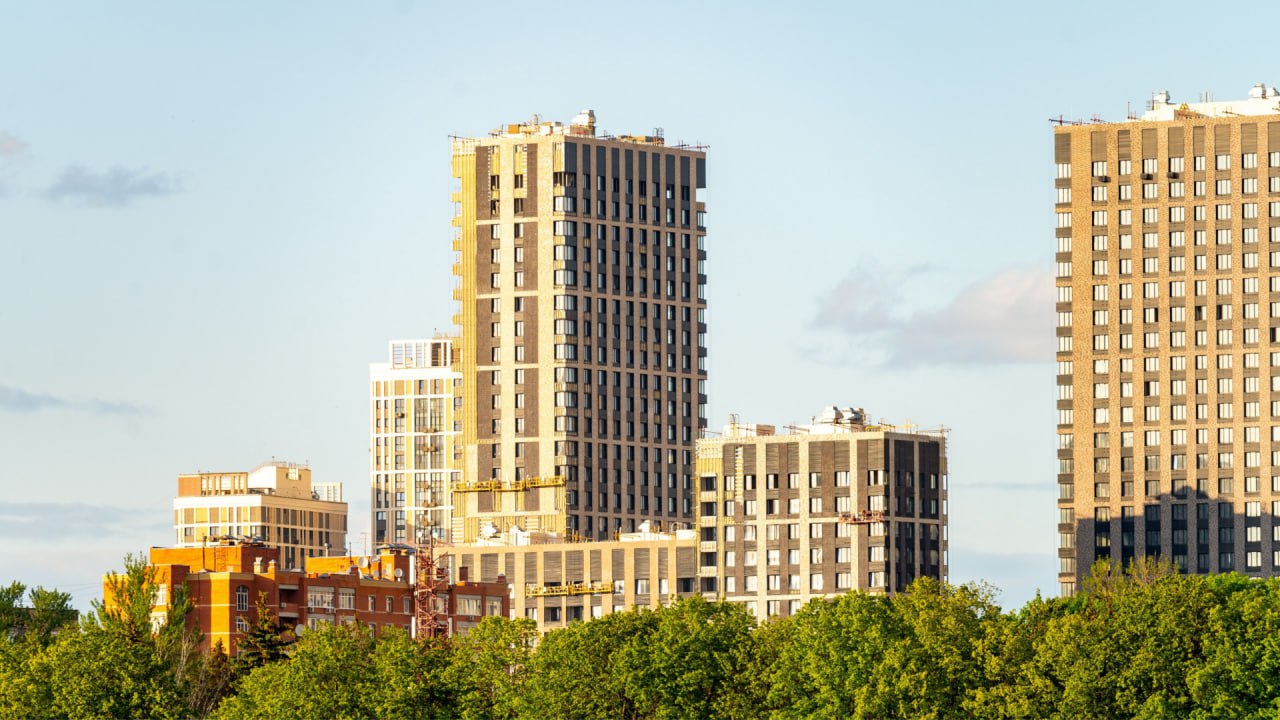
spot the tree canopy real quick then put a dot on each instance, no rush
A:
(1145, 643)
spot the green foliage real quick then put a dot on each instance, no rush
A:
(674, 662)
(488, 666)
(50, 612)
(326, 677)
(114, 664)
(12, 613)
(679, 668)
(342, 671)
(93, 675)
(44, 614)
(1143, 643)
(575, 673)
(264, 643)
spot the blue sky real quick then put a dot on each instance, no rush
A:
(214, 216)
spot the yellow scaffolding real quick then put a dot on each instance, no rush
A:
(514, 486)
(603, 587)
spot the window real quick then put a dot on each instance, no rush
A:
(242, 598)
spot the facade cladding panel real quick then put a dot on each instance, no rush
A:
(1168, 301)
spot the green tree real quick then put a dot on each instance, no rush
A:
(1005, 655)
(575, 672)
(212, 679)
(828, 666)
(1126, 648)
(342, 671)
(327, 676)
(932, 667)
(50, 612)
(12, 613)
(410, 675)
(92, 674)
(19, 690)
(1240, 675)
(264, 643)
(117, 663)
(487, 667)
(746, 695)
(681, 666)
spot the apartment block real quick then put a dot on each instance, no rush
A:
(276, 503)
(414, 456)
(837, 505)
(1168, 300)
(555, 581)
(225, 580)
(833, 506)
(580, 262)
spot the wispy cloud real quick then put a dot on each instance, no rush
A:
(117, 186)
(1005, 318)
(78, 519)
(11, 145)
(17, 400)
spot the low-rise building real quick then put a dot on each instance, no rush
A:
(275, 503)
(555, 581)
(225, 581)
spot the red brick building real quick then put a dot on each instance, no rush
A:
(225, 580)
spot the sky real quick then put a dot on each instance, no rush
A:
(213, 217)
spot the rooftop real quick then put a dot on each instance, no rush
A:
(1263, 100)
(832, 420)
(582, 125)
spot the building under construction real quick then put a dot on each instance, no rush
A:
(813, 511)
(817, 510)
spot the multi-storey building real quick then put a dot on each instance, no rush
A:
(837, 505)
(225, 580)
(413, 457)
(580, 266)
(276, 503)
(1168, 282)
(555, 581)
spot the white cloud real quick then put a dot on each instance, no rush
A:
(1006, 318)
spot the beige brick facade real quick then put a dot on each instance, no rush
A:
(1168, 299)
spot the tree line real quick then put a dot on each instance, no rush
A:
(1144, 643)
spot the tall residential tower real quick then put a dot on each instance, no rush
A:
(1168, 282)
(580, 284)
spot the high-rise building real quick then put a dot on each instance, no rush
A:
(580, 268)
(413, 456)
(1168, 284)
(275, 503)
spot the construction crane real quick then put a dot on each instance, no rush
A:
(431, 589)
